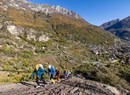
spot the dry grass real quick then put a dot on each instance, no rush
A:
(4, 76)
(62, 19)
(24, 18)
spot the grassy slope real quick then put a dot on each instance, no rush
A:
(25, 18)
(78, 30)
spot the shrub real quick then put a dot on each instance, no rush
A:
(111, 76)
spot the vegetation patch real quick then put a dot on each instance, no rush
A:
(108, 75)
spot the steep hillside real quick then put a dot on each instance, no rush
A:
(120, 28)
(38, 33)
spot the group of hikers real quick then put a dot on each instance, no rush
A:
(53, 73)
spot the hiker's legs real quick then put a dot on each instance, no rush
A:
(51, 77)
(37, 80)
(42, 79)
(58, 78)
(66, 76)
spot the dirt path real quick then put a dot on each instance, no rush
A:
(73, 86)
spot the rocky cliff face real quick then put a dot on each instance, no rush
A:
(47, 9)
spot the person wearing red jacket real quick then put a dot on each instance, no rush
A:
(57, 74)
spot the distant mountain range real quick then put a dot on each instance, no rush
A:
(120, 28)
(110, 23)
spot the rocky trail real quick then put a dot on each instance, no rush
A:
(72, 86)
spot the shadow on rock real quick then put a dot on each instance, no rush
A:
(27, 84)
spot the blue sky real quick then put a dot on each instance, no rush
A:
(94, 11)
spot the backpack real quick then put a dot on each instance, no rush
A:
(57, 72)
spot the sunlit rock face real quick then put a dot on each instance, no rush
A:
(24, 4)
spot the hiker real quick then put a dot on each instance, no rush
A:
(57, 74)
(51, 70)
(70, 74)
(66, 74)
(39, 71)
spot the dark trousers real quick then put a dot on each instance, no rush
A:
(52, 76)
(40, 78)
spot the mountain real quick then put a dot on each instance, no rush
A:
(108, 24)
(120, 28)
(40, 33)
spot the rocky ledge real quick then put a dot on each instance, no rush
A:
(73, 86)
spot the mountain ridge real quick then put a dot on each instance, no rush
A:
(47, 9)
(109, 23)
(120, 28)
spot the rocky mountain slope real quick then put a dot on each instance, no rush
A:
(47, 9)
(39, 33)
(74, 86)
(120, 28)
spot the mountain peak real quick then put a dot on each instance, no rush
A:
(120, 28)
(109, 23)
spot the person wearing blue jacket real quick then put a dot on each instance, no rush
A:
(39, 74)
(51, 70)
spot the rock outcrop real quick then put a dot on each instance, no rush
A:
(73, 86)
(47, 9)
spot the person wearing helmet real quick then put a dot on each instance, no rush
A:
(57, 74)
(39, 71)
(51, 70)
